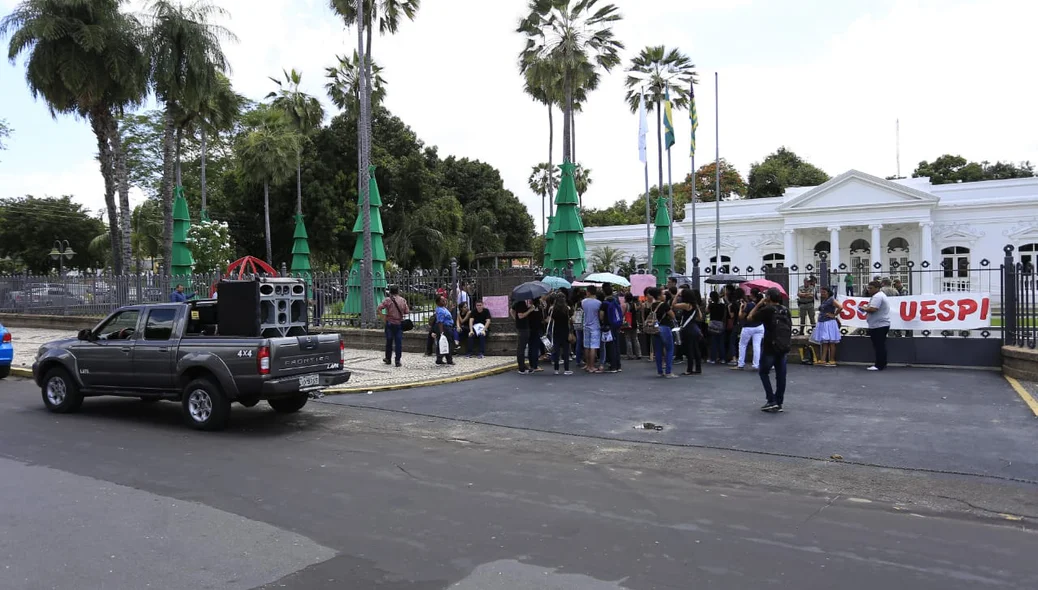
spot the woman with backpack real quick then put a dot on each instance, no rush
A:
(577, 320)
(659, 322)
(717, 313)
(630, 327)
(690, 307)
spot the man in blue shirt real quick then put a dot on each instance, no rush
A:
(178, 295)
(446, 324)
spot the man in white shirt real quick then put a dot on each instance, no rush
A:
(878, 319)
(462, 294)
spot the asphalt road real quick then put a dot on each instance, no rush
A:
(951, 420)
(122, 495)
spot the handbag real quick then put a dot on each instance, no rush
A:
(628, 321)
(607, 336)
(445, 345)
(547, 341)
(652, 325)
(715, 327)
(406, 324)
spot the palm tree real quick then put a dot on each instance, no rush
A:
(386, 12)
(344, 84)
(582, 178)
(265, 155)
(304, 115)
(573, 34)
(543, 181)
(186, 57)
(656, 69)
(85, 60)
(606, 258)
(218, 112)
(544, 84)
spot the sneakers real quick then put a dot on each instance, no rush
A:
(872, 368)
(398, 364)
(771, 408)
(525, 372)
(568, 373)
(736, 368)
(767, 406)
(670, 376)
(556, 371)
(387, 361)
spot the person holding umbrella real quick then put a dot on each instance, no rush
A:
(523, 297)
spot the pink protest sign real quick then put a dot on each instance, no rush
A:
(639, 283)
(497, 304)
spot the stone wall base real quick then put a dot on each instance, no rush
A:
(1020, 363)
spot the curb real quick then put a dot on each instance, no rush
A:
(1024, 394)
(21, 372)
(27, 374)
(416, 384)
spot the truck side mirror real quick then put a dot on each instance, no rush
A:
(86, 335)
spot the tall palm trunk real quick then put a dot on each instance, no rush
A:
(367, 286)
(167, 190)
(567, 120)
(551, 145)
(573, 137)
(204, 213)
(659, 142)
(266, 220)
(123, 181)
(299, 182)
(180, 142)
(99, 121)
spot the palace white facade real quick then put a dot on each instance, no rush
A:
(862, 221)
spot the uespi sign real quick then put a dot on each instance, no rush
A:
(946, 311)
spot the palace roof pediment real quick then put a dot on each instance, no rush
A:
(854, 189)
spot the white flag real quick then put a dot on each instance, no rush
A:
(643, 129)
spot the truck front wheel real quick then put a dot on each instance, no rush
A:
(205, 405)
(60, 393)
(288, 405)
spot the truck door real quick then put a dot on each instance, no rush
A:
(154, 350)
(107, 361)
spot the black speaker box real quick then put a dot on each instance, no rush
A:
(238, 308)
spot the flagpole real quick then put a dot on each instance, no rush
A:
(717, 185)
(694, 122)
(670, 184)
(648, 219)
(643, 128)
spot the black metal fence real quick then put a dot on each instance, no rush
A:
(1019, 302)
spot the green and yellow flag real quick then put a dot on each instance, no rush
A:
(693, 117)
(668, 121)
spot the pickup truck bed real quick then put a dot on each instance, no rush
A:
(164, 352)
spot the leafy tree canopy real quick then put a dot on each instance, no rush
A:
(30, 225)
(948, 168)
(779, 171)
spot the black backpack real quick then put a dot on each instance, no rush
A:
(780, 332)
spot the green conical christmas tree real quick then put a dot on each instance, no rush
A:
(661, 243)
(301, 252)
(378, 250)
(567, 243)
(547, 243)
(182, 262)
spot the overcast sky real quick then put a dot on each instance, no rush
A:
(827, 79)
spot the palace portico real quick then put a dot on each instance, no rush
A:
(862, 223)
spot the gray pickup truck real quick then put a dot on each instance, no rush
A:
(164, 352)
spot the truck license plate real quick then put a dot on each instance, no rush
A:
(309, 380)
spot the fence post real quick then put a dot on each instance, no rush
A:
(1009, 295)
(454, 278)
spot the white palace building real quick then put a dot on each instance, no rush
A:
(860, 220)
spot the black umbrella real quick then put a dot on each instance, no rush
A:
(530, 290)
(725, 279)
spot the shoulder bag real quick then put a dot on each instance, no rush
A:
(406, 324)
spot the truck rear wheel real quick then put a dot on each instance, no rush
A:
(60, 392)
(288, 405)
(205, 405)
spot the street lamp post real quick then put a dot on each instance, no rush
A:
(60, 252)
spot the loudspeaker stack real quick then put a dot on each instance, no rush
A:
(266, 306)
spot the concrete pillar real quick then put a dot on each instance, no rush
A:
(834, 247)
(876, 249)
(789, 247)
(926, 241)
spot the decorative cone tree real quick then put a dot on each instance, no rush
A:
(378, 251)
(661, 243)
(301, 251)
(547, 242)
(567, 243)
(182, 262)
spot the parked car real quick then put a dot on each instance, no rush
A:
(172, 352)
(6, 352)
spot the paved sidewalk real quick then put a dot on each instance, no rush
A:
(368, 369)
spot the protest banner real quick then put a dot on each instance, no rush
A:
(497, 305)
(944, 311)
(639, 283)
